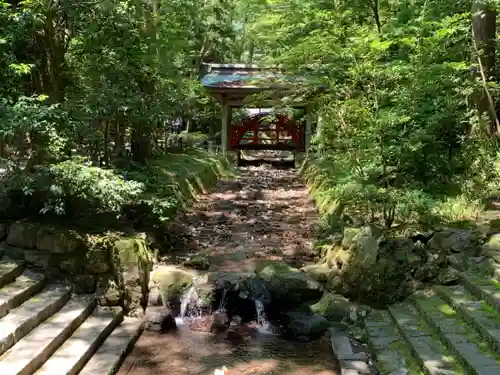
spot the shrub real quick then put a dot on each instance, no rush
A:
(71, 188)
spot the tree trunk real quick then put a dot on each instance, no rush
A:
(483, 59)
(140, 145)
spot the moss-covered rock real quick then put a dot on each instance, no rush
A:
(374, 269)
(318, 272)
(492, 246)
(97, 261)
(109, 293)
(132, 263)
(349, 234)
(198, 262)
(305, 327)
(286, 284)
(172, 281)
(23, 234)
(338, 308)
(449, 241)
(56, 240)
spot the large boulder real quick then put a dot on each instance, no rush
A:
(97, 260)
(159, 319)
(492, 247)
(305, 327)
(172, 281)
(23, 234)
(336, 307)
(58, 241)
(287, 285)
(133, 262)
(449, 241)
(375, 269)
(318, 272)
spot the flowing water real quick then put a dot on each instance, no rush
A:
(195, 353)
(262, 322)
(190, 306)
(265, 214)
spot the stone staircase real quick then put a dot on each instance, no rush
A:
(445, 330)
(46, 329)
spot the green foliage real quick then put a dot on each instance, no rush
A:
(71, 189)
(397, 139)
(145, 195)
(173, 181)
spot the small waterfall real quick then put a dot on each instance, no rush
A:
(262, 320)
(223, 300)
(190, 306)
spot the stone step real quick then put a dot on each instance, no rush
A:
(30, 353)
(433, 356)
(462, 339)
(109, 357)
(72, 356)
(21, 320)
(12, 252)
(388, 347)
(19, 291)
(10, 270)
(484, 288)
(475, 311)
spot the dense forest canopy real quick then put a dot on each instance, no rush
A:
(407, 130)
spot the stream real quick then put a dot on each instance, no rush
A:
(263, 214)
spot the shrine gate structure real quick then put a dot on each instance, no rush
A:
(240, 85)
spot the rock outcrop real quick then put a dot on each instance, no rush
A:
(373, 266)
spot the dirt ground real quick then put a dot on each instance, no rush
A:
(264, 214)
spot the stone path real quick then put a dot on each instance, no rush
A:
(445, 330)
(46, 329)
(264, 214)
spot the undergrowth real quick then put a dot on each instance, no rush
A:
(74, 191)
(340, 193)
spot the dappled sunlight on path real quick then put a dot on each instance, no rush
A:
(265, 214)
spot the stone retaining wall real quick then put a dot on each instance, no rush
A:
(113, 265)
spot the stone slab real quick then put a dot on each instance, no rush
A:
(109, 357)
(21, 320)
(474, 310)
(34, 350)
(360, 367)
(385, 342)
(464, 341)
(341, 346)
(10, 270)
(17, 292)
(71, 357)
(483, 288)
(432, 355)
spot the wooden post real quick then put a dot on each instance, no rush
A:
(224, 126)
(307, 135)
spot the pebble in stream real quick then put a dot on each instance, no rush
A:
(264, 214)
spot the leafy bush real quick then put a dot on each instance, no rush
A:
(71, 188)
(364, 198)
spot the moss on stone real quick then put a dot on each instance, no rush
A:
(172, 281)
